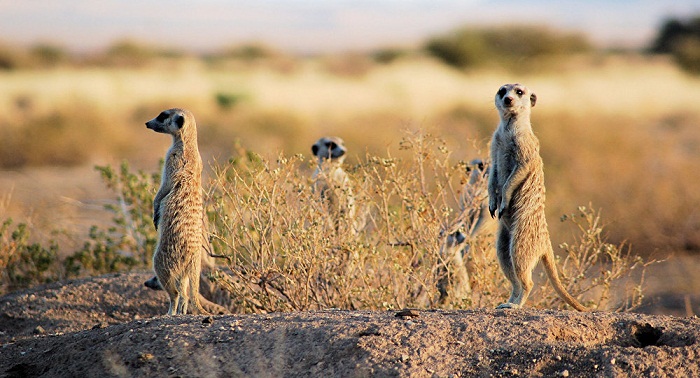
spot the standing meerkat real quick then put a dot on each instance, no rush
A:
(177, 212)
(516, 191)
(333, 184)
(453, 275)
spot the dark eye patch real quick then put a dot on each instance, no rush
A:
(332, 145)
(162, 117)
(502, 92)
(180, 121)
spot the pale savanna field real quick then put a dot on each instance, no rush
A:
(619, 138)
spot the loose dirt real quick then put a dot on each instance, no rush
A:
(113, 326)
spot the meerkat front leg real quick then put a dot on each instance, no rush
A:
(162, 192)
(516, 177)
(493, 189)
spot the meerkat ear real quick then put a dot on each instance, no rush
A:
(314, 149)
(180, 121)
(533, 100)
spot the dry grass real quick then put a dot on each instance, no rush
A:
(617, 131)
(287, 256)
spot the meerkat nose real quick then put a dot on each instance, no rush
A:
(508, 101)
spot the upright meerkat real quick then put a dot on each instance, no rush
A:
(453, 274)
(177, 212)
(333, 184)
(516, 191)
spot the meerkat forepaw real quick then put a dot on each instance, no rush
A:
(502, 209)
(492, 208)
(507, 305)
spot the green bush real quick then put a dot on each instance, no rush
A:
(23, 263)
(130, 241)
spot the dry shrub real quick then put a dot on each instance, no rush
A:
(592, 265)
(286, 255)
(24, 263)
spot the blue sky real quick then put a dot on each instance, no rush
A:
(318, 25)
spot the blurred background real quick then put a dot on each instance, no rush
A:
(618, 85)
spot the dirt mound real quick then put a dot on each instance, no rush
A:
(112, 326)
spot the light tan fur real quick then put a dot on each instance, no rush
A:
(206, 286)
(517, 193)
(178, 212)
(333, 184)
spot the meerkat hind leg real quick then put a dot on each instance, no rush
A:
(523, 274)
(503, 250)
(181, 291)
(174, 304)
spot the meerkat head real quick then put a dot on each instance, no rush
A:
(514, 99)
(172, 121)
(329, 148)
(476, 170)
(476, 165)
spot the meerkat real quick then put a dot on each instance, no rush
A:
(517, 194)
(333, 184)
(177, 212)
(453, 274)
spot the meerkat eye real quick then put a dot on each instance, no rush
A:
(332, 145)
(180, 121)
(481, 166)
(162, 117)
(519, 92)
(502, 92)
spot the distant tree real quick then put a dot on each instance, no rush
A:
(681, 39)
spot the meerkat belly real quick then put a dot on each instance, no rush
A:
(181, 222)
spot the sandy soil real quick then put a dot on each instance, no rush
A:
(112, 326)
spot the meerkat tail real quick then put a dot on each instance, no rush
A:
(551, 269)
(211, 307)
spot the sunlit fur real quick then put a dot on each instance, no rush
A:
(517, 196)
(178, 212)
